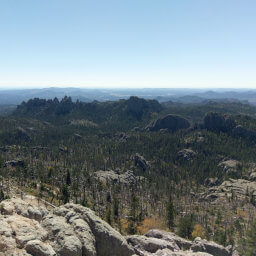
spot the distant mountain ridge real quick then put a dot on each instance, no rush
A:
(127, 112)
(187, 96)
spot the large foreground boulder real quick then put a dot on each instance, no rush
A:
(69, 230)
(170, 122)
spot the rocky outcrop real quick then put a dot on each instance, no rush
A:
(170, 122)
(22, 134)
(141, 162)
(16, 206)
(63, 149)
(138, 107)
(14, 163)
(78, 136)
(69, 230)
(182, 243)
(37, 247)
(144, 245)
(211, 182)
(197, 138)
(230, 166)
(240, 131)
(223, 123)
(218, 123)
(253, 176)
(40, 148)
(122, 137)
(239, 188)
(136, 129)
(202, 245)
(162, 243)
(127, 177)
(73, 230)
(187, 154)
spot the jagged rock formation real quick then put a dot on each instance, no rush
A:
(211, 182)
(73, 230)
(122, 137)
(14, 163)
(230, 166)
(138, 107)
(231, 187)
(161, 243)
(141, 162)
(187, 154)
(170, 122)
(197, 138)
(240, 131)
(223, 123)
(115, 176)
(253, 176)
(218, 123)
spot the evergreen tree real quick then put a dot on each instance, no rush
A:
(220, 237)
(116, 208)
(65, 194)
(185, 227)
(68, 179)
(170, 213)
(107, 216)
(132, 226)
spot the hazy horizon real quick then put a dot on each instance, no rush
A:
(129, 88)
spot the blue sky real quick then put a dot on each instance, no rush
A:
(128, 43)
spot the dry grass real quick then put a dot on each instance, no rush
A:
(154, 222)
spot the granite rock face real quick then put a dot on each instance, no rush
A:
(211, 182)
(69, 230)
(141, 162)
(170, 122)
(127, 177)
(162, 243)
(74, 230)
(230, 166)
(240, 131)
(187, 154)
(231, 187)
(202, 245)
(218, 123)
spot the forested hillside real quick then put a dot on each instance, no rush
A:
(189, 168)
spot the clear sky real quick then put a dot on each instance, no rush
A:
(128, 43)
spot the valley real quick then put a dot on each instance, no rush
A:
(139, 164)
